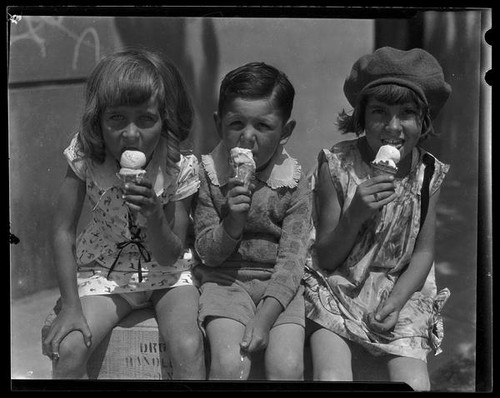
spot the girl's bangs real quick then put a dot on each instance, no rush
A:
(130, 87)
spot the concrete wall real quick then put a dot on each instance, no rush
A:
(50, 58)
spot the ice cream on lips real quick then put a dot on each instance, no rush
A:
(132, 164)
(386, 160)
(243, 164)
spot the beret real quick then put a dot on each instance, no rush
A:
(415, 69)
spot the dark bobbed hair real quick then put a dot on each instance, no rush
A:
(132, 77)
(257, 80)
(390, 94)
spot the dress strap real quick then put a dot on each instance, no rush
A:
(428, 172)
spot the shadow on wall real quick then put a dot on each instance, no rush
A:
(170, 36)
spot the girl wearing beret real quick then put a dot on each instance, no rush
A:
(370, 278)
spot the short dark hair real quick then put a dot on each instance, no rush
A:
(258, 80)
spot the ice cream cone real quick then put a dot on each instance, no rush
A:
(131, 175)
(132, 163)
(380, 169)
(245, 173)
(243, 164)
(386, 161)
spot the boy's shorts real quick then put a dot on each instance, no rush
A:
(224, 296)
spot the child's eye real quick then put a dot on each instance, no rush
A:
(147, 118)
(410, 112)
(236, 124)
(377, 111)
(116, 117)
(263, 126)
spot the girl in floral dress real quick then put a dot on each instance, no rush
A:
(129, 256)
(371, 279)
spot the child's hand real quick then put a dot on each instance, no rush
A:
(255, 337)
(140, 197)
(384, 319)
(371, 195)
(238, 201)
(66, 322)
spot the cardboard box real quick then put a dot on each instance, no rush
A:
(133, 350)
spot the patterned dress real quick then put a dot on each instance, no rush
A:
(341, 300)
(111, 252)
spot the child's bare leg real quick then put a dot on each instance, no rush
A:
(411, 371)
(227, 363)
(285, 353)
(177, 314)
(102, 313)
(331, 356)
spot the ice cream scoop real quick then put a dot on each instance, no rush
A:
(386, 160)
(133, 159)
(132, 163)
(243, 164)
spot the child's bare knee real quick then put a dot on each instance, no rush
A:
(226, 366)
(187, 345)
(329, 374)
(73, 346)
(73, 355)
(410, 371)
(419, 382)
(291, 368)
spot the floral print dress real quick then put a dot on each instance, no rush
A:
(341, 300)
(111, 252)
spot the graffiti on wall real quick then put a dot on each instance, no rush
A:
(32, 28)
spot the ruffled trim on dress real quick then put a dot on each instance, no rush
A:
(282, 171)
(75, 158)
(175, 186)
(437, 328)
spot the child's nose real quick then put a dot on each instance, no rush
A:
(131, 131)
(394, 124)
(247, 138)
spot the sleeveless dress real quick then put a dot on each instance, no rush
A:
(111, 253)
(340, 300)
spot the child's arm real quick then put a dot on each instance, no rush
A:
(337, 230)
(167, 224)
(168, 232)
(288, 271)
(239, 199)
(217, 236)
(256, 336)
(413, 278)
(71, 316)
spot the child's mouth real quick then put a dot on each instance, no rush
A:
(395, 143)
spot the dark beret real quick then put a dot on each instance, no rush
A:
(415, 69)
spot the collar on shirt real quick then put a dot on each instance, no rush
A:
(282, 171)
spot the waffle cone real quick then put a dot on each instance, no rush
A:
(381, 169)
(131, 175)
(245, 173)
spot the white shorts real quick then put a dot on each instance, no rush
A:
(138, 300)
